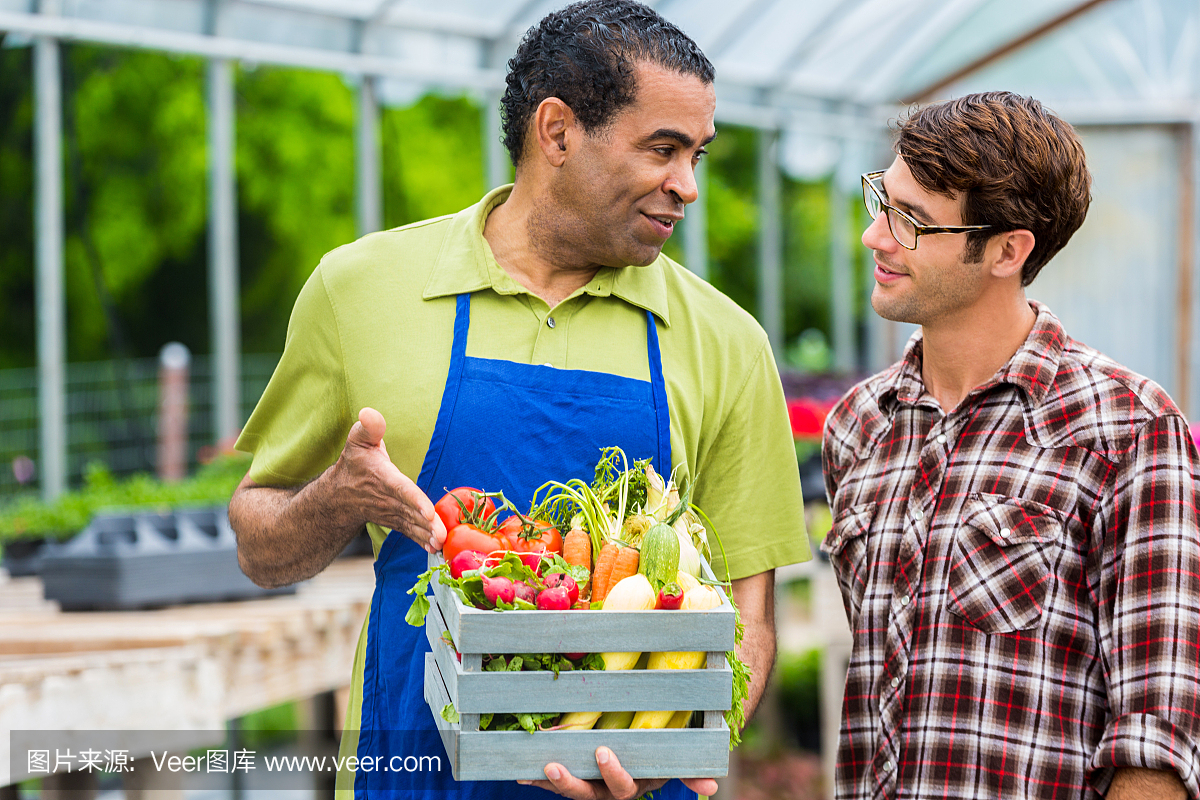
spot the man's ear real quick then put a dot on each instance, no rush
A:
(553, 126)
(1011, 249)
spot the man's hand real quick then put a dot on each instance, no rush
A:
(616, 783)
(290, 534)
(369, 481)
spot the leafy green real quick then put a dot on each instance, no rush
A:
(30, 517)
(450, 713)
(559, 566)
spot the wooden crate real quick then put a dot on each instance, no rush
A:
(518, 755)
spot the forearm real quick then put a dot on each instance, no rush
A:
(755, 598)
(1131, 783)
(290, 534)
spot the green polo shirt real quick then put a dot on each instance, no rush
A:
(374, 324)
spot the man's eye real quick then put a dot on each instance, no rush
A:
(664, 151)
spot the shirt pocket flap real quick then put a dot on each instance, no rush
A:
(849, 524)
(1011, 520)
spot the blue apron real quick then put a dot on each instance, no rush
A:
(502, 426)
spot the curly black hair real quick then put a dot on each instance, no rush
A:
(585, 55)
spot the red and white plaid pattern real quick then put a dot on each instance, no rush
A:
(1021, 576)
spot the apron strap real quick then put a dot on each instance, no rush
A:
(458, 358)
(659, 387)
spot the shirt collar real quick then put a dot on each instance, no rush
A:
(465, 264)
(1032, 368)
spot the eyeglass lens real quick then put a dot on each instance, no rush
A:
(901, 228)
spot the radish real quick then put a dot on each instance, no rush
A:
(556, 598)
(532, 560)
(498, 588)
(567, 582)
(465, 561)
(524, 591)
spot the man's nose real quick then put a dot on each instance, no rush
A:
(878, 236)
(682, 183)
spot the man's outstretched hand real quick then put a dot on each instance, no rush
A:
(616, 784)
(386, 496)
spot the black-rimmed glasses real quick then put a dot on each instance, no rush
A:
(905, 230)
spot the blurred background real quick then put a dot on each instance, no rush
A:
(171, 171)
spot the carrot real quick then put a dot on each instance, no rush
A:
(577, 550)
(627, 564)
(604, 568)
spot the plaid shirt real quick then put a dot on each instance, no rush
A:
(1021, 577)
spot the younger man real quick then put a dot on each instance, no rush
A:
(1015, 515)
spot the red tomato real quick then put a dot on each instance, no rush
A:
(531, 536)
(451, 507)
(469, 537)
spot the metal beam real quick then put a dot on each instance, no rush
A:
(1003, 50)
(51, 305)
(770, 241)
(841, 265)
(224, 317)
(1185, 267)
(695, 226)
(240, 49)
(368, 184)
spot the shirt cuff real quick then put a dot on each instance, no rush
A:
(1143, 740)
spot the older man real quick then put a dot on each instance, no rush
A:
(506, 344)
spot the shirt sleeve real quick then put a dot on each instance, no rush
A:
(300, 424)
(1149, 609)
(748, 482)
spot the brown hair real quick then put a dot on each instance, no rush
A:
(1014, 164)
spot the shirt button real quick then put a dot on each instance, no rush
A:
(941, 438)
(895, 682)
(904, 601)
(1005, 533)
(918, 514)
(888, 766)
(550, 321)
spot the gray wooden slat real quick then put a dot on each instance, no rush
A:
(478, 631)
(437, 698)
(585, 690)
(516, 755)
(446, 660)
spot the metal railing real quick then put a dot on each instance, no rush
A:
(112, 416)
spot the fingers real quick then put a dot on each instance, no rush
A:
(566, 784)
(705, 787)
(617, 782)
(373, 424)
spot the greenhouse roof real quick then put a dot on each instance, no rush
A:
(823, 64)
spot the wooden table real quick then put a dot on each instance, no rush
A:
(188, 667)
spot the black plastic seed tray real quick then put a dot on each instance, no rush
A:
(125, 561)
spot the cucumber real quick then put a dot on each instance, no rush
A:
(659, 560)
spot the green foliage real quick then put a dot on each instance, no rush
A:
(135, 159)
(30, 518)
(16, 209)
(432, 159)
(798, 681)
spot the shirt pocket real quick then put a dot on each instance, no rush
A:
(999, 570)
(846, 546)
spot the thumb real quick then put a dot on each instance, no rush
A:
(369, 429)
